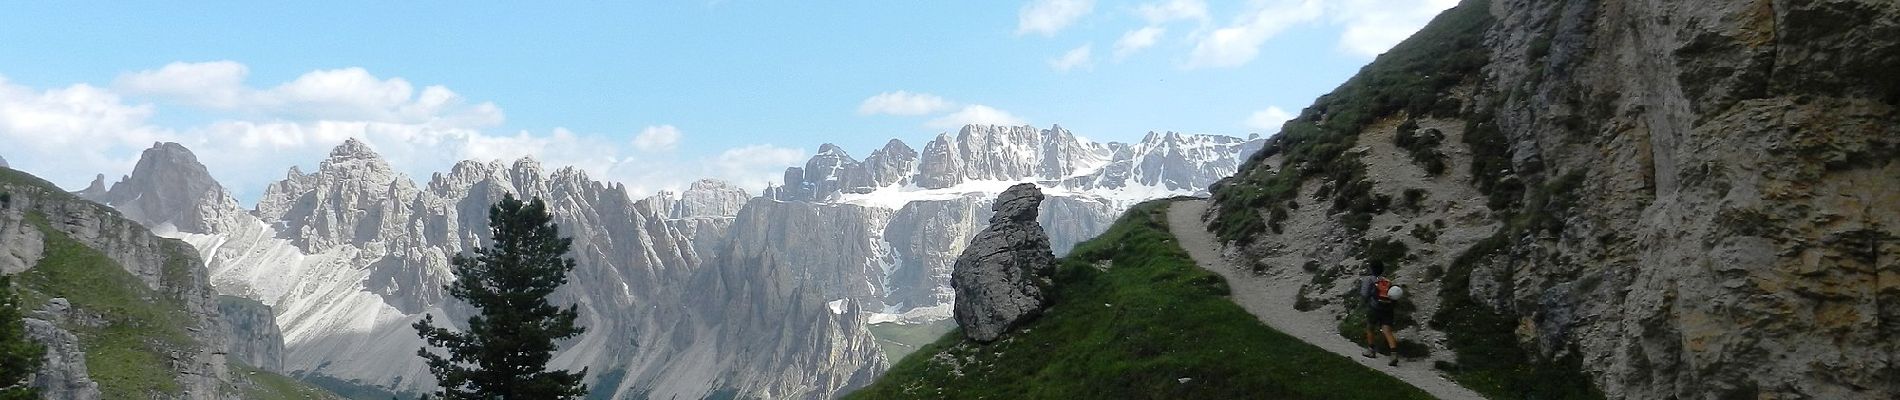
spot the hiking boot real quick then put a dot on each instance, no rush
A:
(1395, 360)
(1370, 354)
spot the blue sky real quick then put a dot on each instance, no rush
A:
(653, 94)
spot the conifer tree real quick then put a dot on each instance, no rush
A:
(504, 352)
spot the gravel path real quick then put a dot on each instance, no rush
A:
(1271, 300)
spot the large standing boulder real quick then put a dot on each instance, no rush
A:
(1002, 277)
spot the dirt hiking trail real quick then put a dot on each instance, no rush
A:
(1271, 300)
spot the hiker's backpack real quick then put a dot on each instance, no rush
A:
(1382, 290)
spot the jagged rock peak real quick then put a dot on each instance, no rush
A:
(527, 164)
(1001, 279)
(353, 149)
(896, 146)
(167, 186)
(711, 185)
(829, 149)
(94, 190)
(353, 158)
(3, 163)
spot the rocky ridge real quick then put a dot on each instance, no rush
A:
(1000, 280)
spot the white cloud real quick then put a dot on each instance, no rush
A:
(215, 84)
(657, 138)
(1136, 40)
(1374, 26)
(755, 166)
(1079, 57)
(68, 134)
(975, 114)
(916, 104)
(904, 103)
(338, 94)
(1238, 43)
(1173, 10)
(1050, 16)
(1268, 120)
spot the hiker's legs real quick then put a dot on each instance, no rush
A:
(1372, 350)
(1393, 341)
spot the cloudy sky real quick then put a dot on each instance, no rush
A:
(652, 95)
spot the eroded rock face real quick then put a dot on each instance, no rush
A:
(1719, 181)
(1000, 280)
(251, 332)
(62, 373)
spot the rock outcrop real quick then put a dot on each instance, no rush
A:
(1001, 278)
(251, 332)
(1683, 199)
(62, 373)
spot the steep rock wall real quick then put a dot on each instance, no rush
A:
(1691, 199)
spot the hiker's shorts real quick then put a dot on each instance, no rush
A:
(1380, 316)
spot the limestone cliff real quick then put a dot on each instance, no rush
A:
(1685, 199)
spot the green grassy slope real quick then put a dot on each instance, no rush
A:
(255, 384)
(899, 340)
(138, 329)
(1151, 325)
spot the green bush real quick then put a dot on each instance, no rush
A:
(1385, 251)
(1412, 200)
(1422, 147)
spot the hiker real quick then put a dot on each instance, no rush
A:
(1378, 306)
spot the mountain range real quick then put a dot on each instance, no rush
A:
(702, 293)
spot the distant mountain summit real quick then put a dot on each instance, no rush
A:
(986, 154)
(941, 196)
(169, 190)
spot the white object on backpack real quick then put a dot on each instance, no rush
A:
(1395, 293)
